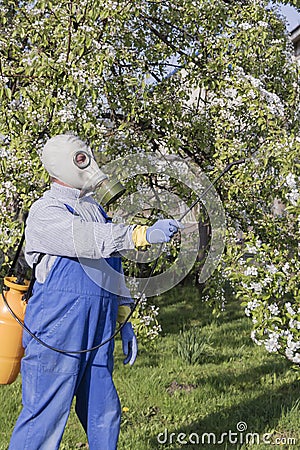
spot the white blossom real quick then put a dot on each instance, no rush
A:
(263, 24)
(291, 344)
(251, 306)
(257, 287)
(293, 196)
(62, 58)
(296, 358)
(245, 26)
(294, 324)
(273, 308)
(267, 280)
(272, 344)
(251, 270)
(4, 153)
(271, 268)
(253, 337)
(289, 353)
(285, 268)
(291, 181)
(254, 81)
(289, 309)
(251, 249)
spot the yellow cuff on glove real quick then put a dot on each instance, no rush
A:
(139, 236)
(123, 313)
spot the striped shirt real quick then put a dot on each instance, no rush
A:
(61, 223)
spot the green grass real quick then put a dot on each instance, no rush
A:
(236, 381)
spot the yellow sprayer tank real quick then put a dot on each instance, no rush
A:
(11, 349)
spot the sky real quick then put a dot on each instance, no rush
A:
(292, 16)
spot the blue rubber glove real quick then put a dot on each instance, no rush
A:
(162, 231)
(129, 344)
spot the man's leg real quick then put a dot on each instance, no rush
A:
(97, 401)
(47, 398)
(98, 408)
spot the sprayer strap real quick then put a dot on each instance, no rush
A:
(17, 254)
(33, 277)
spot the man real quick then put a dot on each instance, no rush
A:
(78, 293)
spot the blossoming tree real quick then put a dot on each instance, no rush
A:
(102, 69)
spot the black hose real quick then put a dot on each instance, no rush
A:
(87, 350)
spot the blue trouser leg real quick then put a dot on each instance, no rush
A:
(97, 401)
(98, 408)
(47, 399)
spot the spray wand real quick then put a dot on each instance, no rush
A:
(227, 169)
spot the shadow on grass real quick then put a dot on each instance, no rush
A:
(255, 375)
(230, 335)
(184, 306)
(260, 414)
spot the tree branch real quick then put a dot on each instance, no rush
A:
(69, 32)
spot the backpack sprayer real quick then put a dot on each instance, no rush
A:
(16, 293)
(11, 349)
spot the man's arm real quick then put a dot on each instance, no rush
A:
(53, 230)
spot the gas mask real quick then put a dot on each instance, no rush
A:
(68, 159)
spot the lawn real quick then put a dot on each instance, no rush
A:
(233, 389)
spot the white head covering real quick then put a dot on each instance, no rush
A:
(70, 160)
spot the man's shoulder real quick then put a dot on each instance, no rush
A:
(46, 201)
(46, 198)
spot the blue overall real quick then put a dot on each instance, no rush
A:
(68, 311)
